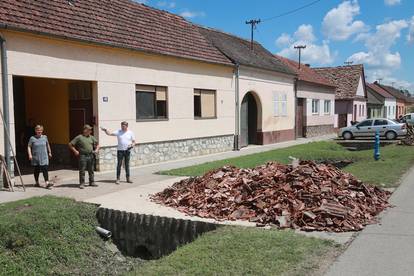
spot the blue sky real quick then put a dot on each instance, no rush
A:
(378, 33)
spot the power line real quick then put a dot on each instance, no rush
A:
(291, 11)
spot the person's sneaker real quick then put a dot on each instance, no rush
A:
(93, 184)
(117, 182)
(129, 180)
(82, 186)
(49, 185)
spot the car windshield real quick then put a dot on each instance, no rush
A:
(393, 121)
(365, 123)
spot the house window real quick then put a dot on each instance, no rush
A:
(204, 103)
(363, 110)
(279, 104)
(327, 107)
(315, 106)
(151, 102)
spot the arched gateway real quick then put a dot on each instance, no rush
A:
(250, 111)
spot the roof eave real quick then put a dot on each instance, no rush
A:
(317, 83)
(111, 45)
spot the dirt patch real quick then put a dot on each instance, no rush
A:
(22, 208)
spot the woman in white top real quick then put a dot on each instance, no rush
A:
(126, 142)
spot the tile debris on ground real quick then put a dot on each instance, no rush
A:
(305, 195)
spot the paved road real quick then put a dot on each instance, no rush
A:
(143, 175)
(385, 249)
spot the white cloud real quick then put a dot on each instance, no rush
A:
(166, 4)
(315, 54)
(192, 14)
(141, 1)
(339, 23)
(392, 2)
(284, 40)
(410, 35)
(305, 33)
(379, 59)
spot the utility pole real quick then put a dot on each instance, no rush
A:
(253, 24)
(300, 47)
(348, 63)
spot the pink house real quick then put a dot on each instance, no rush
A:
(350, 93)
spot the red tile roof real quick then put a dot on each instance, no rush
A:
(393, 91)
(305, 73)
(117, 23)
(346, 79)
(379, 90)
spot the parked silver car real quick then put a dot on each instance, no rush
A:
(387, 128)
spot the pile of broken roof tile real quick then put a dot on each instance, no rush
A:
(305, 195)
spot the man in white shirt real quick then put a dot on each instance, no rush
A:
(126, 142)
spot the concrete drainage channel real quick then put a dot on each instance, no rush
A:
(357, 145)
(149, 237)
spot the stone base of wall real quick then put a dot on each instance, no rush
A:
(271, 137)
(314, 131)
(157, 152)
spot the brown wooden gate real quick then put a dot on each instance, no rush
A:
(80, 109)
(342, 120)
(300, 117)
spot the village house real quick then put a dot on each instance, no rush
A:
(264, 89)
(350, 93)
(380, 102)
(315, 114)
(403, 102)
(185, 90)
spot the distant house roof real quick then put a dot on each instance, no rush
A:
(116, 23)
(393, 91)
(379, 91)
(305, 73)
(346, 79)
(239, 51)
(373, 98)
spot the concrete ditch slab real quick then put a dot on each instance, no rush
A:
(137, 200)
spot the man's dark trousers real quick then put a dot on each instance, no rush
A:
(86, 163)
(123, 155)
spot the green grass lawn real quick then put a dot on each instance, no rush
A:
(54, 236)
(245, 251)
(395, 161)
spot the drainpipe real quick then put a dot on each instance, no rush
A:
(237, 110)
(295, 88)
(5, 90)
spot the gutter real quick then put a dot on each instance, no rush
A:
(107, 44)
(5, 92)
(237, 109)
(295, 88)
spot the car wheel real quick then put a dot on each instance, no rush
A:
(347, 135)
(390, 135)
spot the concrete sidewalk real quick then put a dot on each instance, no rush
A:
(387, 248)
(143, 175)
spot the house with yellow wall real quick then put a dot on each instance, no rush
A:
(103, 62)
